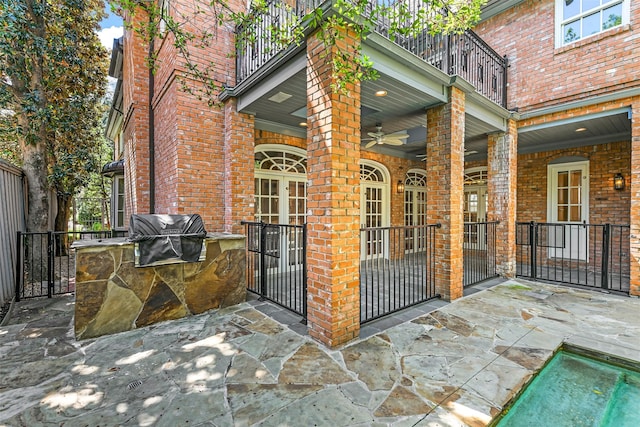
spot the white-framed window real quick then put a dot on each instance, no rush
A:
(579, 19)
(118, 203)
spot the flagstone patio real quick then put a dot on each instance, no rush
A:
(441, 364)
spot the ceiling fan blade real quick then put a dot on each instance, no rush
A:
(398, 135)
(391, 141)
(375, 134)
(371, 144)
(421, 155)
(468, 153)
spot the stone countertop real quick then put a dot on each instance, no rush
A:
(121, 241)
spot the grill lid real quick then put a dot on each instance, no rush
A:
(167, 238)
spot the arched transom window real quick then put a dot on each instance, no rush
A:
(370, 173)
(475, 176)
(280, 160)
(415, 178)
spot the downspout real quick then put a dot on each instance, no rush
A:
(152, 139)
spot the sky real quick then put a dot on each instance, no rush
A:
(111, 28)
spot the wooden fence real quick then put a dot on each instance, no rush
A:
(12, 193)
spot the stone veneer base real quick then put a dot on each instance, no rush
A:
(112, 295)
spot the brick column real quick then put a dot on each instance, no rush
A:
(135, 100)
(634, 256)
(239, 164)
(502, 165)
(333, 200)
(445, 181)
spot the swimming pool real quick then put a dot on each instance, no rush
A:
(574, 390)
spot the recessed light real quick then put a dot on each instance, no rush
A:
(303, 124)
(381, 93)
(581, 129)
(280, 97)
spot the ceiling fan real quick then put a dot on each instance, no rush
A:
(380, 137)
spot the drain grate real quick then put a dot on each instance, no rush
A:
(134, 385)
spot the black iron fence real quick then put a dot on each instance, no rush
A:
(479, 252)
(466, 54)
(593, 255)
(45, 264)
(397, 269)
(277, 264)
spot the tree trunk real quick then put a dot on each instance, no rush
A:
(34, 158)
(62, 224)
(35, 169)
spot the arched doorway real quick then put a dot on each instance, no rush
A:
(374, 208)
(280, 184)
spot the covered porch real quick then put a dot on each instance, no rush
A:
(429, 143)
(388, 154)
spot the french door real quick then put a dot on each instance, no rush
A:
(415, 214)
(372, 215)
(475, 210)
(282, 200)
(568, 186)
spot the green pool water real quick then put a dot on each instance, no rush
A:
(573, 390)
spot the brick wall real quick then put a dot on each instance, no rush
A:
(266, 137)
(239, 168)
(540, 75)
(166, 151)
(605, 203)
(190, 166)
(135, 101)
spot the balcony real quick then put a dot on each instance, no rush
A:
(465, 55)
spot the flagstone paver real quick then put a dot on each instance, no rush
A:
(455, 366)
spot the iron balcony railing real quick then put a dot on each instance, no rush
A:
(466, 54)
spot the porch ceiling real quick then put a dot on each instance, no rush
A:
(599, 128)
(403, 109)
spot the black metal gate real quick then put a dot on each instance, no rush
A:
(592, 255)
(45, 262)
(479, 252)
(277, 264)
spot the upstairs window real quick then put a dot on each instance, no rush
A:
(579, 19)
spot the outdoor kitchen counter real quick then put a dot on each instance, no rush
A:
(113, 295)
